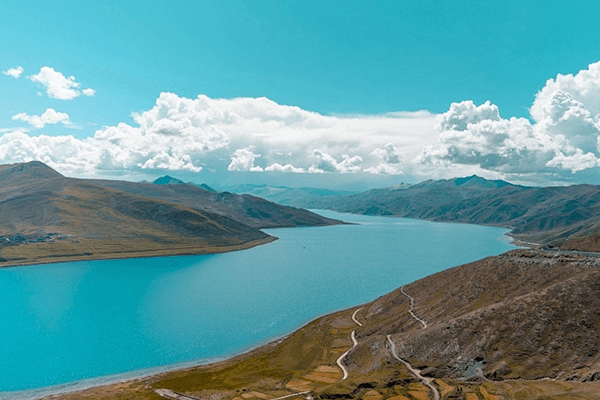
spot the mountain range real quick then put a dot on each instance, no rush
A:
(294, 197)
(567, 216)
(47, 217)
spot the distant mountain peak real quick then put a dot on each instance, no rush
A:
(475, 180)
(206, 187)
(167, 180)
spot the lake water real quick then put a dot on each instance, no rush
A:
(69, 322)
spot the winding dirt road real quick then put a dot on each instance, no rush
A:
(340, 360)
(415, 372)
(412, 306)
(354, 317)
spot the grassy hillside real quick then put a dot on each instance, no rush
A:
(249, 210)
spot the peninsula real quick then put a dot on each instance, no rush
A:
(47, 217)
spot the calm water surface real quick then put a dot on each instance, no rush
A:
(74, 321)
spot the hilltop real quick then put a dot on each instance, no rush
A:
(167, 180)
(48, 217)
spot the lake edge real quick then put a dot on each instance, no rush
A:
(80, 385)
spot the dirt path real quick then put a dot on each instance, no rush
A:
(354, 317)
(412, 306)
(171, 394)
(415, 372)
(579, 253)
(340, 360)
(292, 395)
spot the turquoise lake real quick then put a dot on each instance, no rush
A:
(86, 321)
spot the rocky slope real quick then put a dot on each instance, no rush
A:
(525, 314)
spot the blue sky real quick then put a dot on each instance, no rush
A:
(303, 92)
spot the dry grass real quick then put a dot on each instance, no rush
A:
(372, 395)
(486, 395)
(543, 390)
(102, 249)
(444, 388)
(418, 395)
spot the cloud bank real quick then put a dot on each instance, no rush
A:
(241, 134)
(258, 135)
(562, 138)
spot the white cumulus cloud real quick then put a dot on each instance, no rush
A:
(327, 163)
(50, 116)
(14, 72)
(172, 162)
(58, 86)
(563, 138)
(574, 162)
(388, 154)
(276, 167)
(583, 87)
(243, 160)
(389, 161)
(64, 153)
(486, 140)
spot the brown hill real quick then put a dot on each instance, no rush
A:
(524, 314)
(250, 210)
(48, 217)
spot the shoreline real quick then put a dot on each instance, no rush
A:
(132, 377)
(179, 371)
(126, 254)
